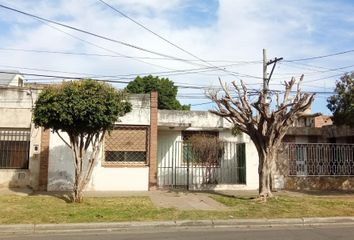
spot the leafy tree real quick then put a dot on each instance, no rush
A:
(167, 91)
(342, 103)
(85, 110)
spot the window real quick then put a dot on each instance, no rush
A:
(127, 145)
(14, 148)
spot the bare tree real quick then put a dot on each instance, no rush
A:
(207, 151)
(266, 125)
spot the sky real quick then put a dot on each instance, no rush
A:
(219, 39)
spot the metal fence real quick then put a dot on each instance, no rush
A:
(178, 168)
(320, 159)
(14, 149)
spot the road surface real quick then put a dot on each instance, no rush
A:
(313, 233)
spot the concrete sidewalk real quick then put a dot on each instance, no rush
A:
(186, 201)
(166, 225)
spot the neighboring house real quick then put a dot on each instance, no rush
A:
(19, 139)
(145, 150)
(316, 155)
(11, 78)
(309, 128)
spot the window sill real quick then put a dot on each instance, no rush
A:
(124, 165)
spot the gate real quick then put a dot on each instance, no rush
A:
(178, 168)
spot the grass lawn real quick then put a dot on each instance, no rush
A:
(44, 209)
(289, 207)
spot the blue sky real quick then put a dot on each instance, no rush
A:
(225, 32)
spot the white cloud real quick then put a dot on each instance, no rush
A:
(242, 28)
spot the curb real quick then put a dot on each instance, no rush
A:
(183, 224)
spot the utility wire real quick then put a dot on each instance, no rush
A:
(100, 47)
(92, 34)
(164, 39)
(319, 57)
(163, 73)
(245, 62)
(236, 74)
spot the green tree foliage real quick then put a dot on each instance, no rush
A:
(342, 103)
(167, 91)
(84, 110)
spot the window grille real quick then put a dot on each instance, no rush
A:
(127, 145)
(14, 148)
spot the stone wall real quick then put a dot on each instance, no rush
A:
(319, 183)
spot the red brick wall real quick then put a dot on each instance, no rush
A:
(153, 142)
(44, 159)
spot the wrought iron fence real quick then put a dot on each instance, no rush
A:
(320, 159)
(177, 167)
(14, 149)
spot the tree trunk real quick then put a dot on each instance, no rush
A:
(84, 162)
(77, 196)
(265, 173)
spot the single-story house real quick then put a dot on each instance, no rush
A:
(145, 150)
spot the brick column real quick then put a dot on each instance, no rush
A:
(44, 160)
(153, 141)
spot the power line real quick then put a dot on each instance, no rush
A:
(100, 47)
(119, 42)
(321, 56)
(164, 39)
(240, 62)
(163, 73)
(93, 34)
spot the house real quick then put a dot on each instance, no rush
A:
(145, 150)
(11, 78)
(316, 155)
(19, 139)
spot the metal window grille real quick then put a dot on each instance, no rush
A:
(127, 145)
(320, 159)
(14, 148)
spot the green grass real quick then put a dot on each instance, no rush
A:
(289, 207)
(45, 209)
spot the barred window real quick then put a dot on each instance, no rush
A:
(126, 145)
(14, 148)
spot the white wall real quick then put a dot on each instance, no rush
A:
(119, 179)
(112, 178)
(251, 165)
(198, 120)
(140, 114)
(60, 164)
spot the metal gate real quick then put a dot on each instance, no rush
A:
(178, 169)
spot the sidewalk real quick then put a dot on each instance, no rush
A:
(165, 225)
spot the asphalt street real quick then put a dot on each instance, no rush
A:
(308, 233)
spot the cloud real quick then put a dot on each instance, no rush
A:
(237, 30)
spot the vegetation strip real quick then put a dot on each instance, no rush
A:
(48, 209)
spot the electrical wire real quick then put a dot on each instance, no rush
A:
(320, 56)
(94, 34)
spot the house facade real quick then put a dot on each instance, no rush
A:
(20, 140)
(146, 150)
